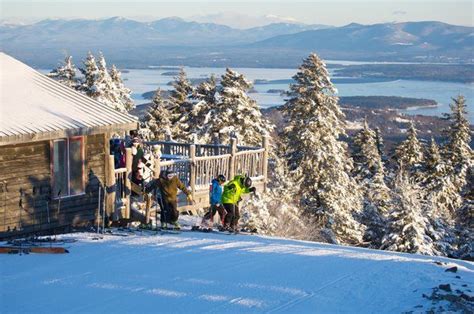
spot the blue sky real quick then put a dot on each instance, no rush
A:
(334, 12)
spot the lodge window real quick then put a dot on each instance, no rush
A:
(68, 166)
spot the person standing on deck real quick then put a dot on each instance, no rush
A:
(168, 184)
(231, 198)
(215, 197)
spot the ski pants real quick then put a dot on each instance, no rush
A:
(169, 211)
(212, 212)
(233, 215)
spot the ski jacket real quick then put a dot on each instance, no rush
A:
(168, 187)
(233, 190)
(215, 192)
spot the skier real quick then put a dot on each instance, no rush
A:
(215, 196)
(137, 161)
(231, 197)
(168, 184)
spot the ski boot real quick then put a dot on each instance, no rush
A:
(176, 225)
(164, 226)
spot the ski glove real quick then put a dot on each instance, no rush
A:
(253, 189)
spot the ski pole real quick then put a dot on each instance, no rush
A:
(103, 212)
(4, 184)
(47, 212)
(59, 201)
(98, 212)
(20, 205)
(156, 211)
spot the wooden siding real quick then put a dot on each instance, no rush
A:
(25, 169)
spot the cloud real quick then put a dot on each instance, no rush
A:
(399, 12)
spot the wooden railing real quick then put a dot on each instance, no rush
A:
(197, 170)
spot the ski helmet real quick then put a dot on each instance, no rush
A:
(221, 178)
(247, 182)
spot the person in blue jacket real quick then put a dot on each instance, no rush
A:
(215, 196)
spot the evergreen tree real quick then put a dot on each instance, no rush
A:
(202, 114)
(180, 106)
(369, 172)
(104, 89)
(441, 200)
(90, 72)
(124, 93)
(442, 193)
(276, 212)
(156, 119)
(66, 73)
(465, 229)
(409, 229)
(457, 150)
(318, 161)
(379, 141)
(409, 153)
(237, 114)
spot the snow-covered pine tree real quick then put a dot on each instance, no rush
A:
(156, 119)
(465, 229)
(442, 193)
(205, 95)
(457, 150)
(66, 73)
(276, 212)
(180, 106)
(459, 155)
(408, 228)
(442, 199)
(105, 89)
(318, 160)
(379, 141)
(409, 153)
(90, 72)
(237, 114)
(370, 174)
(124, 93)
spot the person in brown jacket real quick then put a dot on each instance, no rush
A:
(168, 184)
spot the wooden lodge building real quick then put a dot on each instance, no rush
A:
(56, 166)
(54, 146)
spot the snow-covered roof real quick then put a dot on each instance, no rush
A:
(35, 107)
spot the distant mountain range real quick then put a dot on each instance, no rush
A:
(174, 41)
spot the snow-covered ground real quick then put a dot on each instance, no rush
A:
(214, 273)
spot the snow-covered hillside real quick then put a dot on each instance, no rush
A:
(215, 273)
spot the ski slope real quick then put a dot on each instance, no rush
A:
(196, 272)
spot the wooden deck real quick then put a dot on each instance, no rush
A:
(196, 165)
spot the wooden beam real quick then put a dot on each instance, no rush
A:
(128, 178)
(110, 186)
(51, 135)
(192, 176)
(266, 146)
(233, 151)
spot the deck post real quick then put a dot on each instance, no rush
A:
(167, 146)
(192, 175)
(233, 151)
(216, 143)
(157, 161)
(110, 187)
(266, 146)
(128, 180)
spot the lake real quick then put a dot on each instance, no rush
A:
(144, 80)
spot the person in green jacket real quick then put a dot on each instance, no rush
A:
(231, 198)
(168, 184)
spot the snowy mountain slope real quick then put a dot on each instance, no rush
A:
(214, 273)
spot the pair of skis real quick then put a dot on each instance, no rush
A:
(32, 249)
